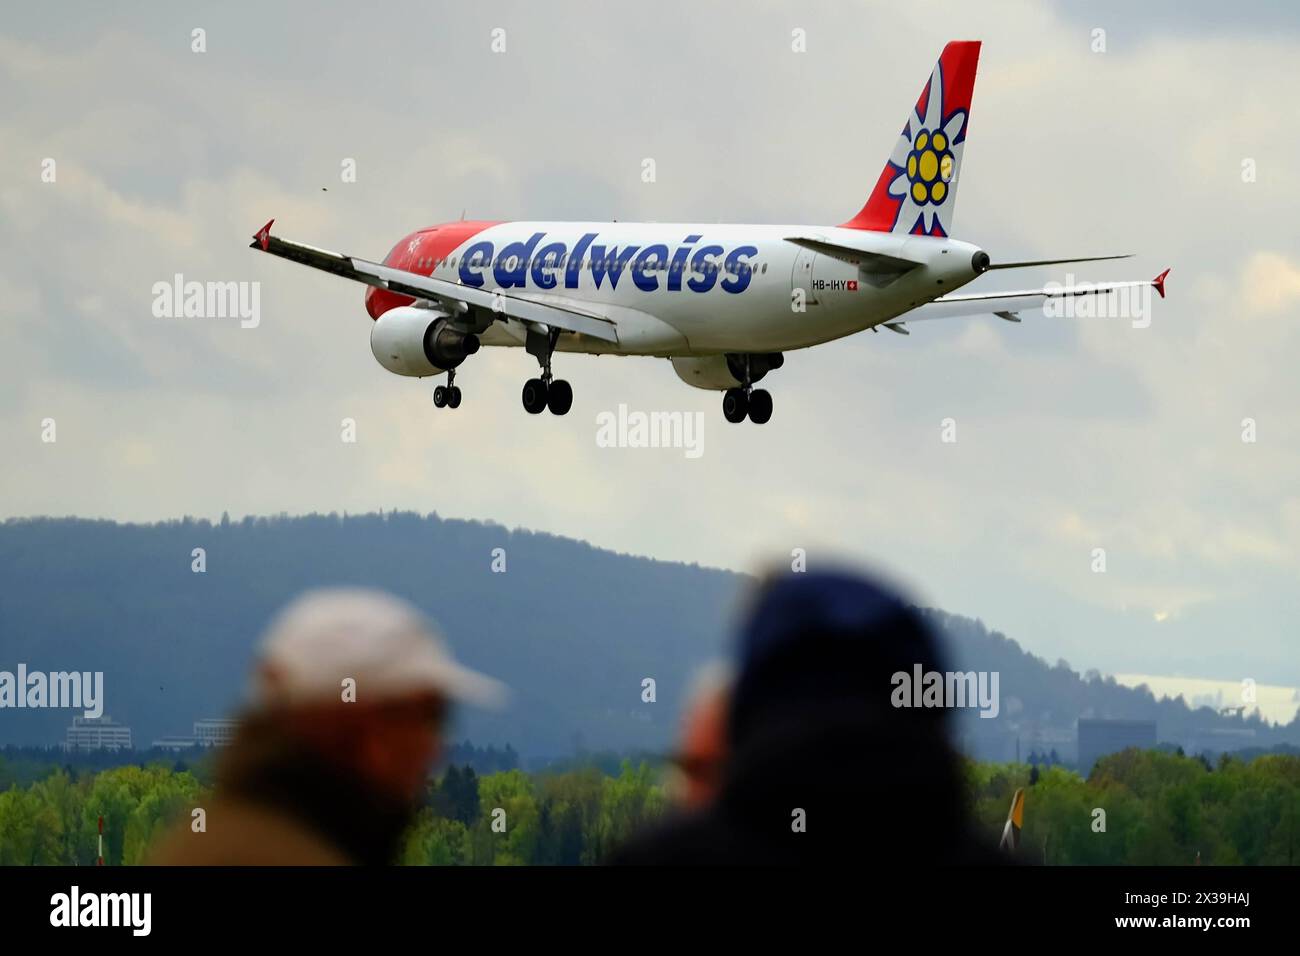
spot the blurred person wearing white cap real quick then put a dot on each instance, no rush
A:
(350, 694)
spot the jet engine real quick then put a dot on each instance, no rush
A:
(419, 342)
(720, 372)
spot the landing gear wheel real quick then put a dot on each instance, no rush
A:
(439, 396)
(559, 397)
(735, 403)
(760, 406)
(453, 397)
(535, 392)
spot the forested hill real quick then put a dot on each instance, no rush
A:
(574, 630)
(1037, 696)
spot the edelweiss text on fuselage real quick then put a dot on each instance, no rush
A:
(511, 267)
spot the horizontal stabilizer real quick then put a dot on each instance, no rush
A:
(870, 261)
(1008, 305)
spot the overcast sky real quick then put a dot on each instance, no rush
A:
(1073, 434)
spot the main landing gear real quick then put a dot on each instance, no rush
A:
(447, 396)
(756, 403)
(747, 401)
(547, 391)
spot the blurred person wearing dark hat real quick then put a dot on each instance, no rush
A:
(350, 695)
(822, 767)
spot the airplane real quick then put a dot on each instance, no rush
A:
(723, 303)
(1010, 841)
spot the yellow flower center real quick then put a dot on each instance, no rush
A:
(929, 167)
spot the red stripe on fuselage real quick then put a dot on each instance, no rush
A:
(419, 253)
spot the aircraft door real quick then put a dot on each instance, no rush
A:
(802, 276)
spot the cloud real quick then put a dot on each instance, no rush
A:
(1270, 284)
(1072, 433)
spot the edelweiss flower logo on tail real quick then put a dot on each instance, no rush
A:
(916, 190)
(926, 159)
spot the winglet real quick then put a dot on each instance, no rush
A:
(1159, 283)
(263, 237)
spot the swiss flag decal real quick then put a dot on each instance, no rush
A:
(853, 285)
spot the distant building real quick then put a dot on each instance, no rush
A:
(1042, 741)
(1097, 738)
(97, 733)
(215, 731)
(208, 732)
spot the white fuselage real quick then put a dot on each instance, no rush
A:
(694, 289)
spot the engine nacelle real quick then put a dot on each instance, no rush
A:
(720, 372)
(418, 342)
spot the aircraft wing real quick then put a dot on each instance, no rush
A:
(1006, 305)
(440, 291)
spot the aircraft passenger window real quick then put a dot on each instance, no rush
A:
(764, 268)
